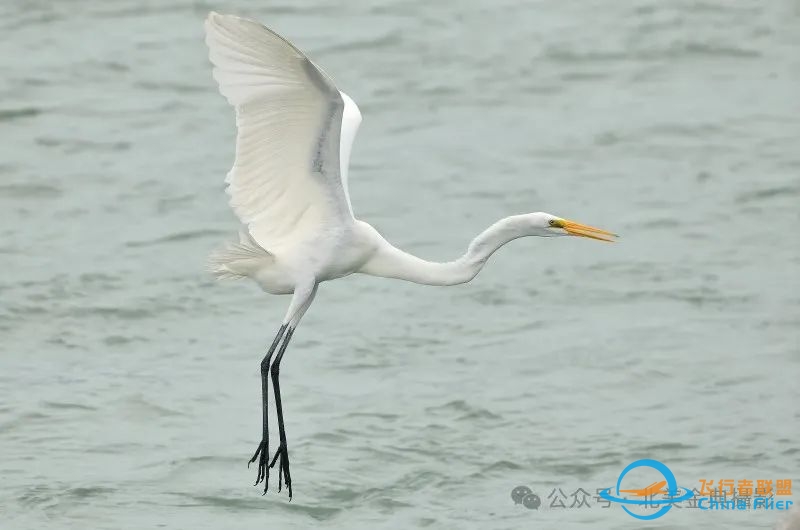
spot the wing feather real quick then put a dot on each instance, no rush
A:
(294, 132)
(351, 119)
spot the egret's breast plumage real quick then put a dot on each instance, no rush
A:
(336, 253)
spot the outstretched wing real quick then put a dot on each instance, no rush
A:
(295, 132)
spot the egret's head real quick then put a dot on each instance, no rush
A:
(549, 225)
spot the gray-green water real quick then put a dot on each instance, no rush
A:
(129, 383)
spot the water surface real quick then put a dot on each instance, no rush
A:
(129, 380)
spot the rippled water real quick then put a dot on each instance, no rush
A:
(129, 382)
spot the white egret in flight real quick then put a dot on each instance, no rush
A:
(288, 186)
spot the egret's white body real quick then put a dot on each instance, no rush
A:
(280, 269)
(289, 188)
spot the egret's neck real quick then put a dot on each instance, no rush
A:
(391, 262)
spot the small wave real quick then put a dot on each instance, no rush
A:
(258, 503)
(567, 55)
(24, 420)
(191, 461)
(668, 446)
(384, 41)
(348, 367)
(120, 340)
(374, 415)
(64, 405)
(768, 193)
(465, 412)
(579, 469)
(736, 459)
(693, 130)
(14, 114)
(179, 236)
(712, 50)
(697, 297)
(53, 495)
(140, 407)
(330, 437)
(100, 279)
(584, 76)
(182, 88)
(122, 313)
(458, 405)
(32, 191)
(736, 381)
(673, 51)
(72, 145)
(664, 222)
(492, 297)
(500, 467)
(89, 492)
(419, 480)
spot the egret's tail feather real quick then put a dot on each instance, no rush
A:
(237, 260)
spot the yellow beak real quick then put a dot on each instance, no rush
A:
(578, 229)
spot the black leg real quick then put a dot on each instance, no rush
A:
(263, 447)
(283, 451)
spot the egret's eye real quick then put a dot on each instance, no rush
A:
(552, 222)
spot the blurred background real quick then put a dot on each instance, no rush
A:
(129, 380)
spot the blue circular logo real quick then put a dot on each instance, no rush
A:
(673, 492)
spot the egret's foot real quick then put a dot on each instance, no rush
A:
(283, 468)
(263, 468)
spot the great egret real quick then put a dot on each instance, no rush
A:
(288, 186)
